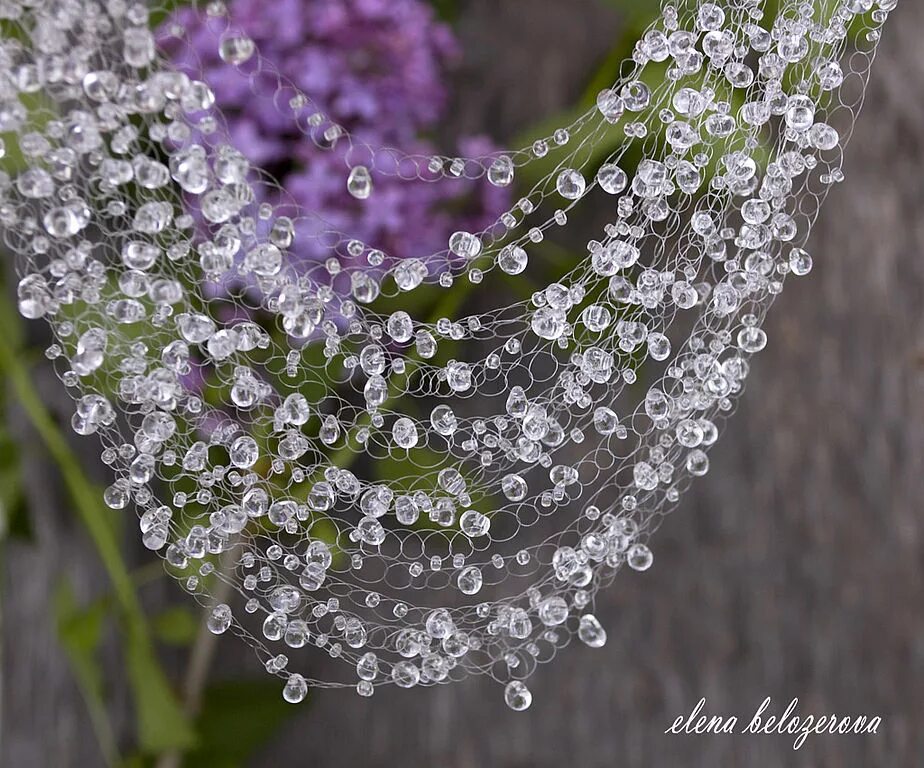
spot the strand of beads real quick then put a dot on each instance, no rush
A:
(211, 402)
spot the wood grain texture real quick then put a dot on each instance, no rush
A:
(795, 568)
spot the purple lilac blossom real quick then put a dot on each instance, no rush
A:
(377, 67)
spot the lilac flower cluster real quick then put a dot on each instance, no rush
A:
(376, 67)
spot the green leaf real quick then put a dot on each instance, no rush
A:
(236, 718)
(403, 473)
(15, 522)
(175, 626)
(80, 632)
(163, 10)
(162, 725)
(38, 113)
(637, 12)
(447, 10)
(596, 140)
(136, 761)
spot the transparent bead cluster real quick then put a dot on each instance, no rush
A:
(239, 396)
